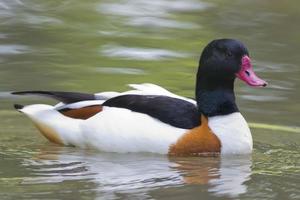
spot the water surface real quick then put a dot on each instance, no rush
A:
(103, 45)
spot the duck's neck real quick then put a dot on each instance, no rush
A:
(215, 97)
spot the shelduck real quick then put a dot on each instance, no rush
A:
(152, 119)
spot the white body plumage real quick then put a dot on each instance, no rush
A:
(122, 130)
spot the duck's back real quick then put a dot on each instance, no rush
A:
(173, 111)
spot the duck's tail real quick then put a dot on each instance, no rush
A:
(56, 127)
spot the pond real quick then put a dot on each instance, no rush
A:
(103, 45)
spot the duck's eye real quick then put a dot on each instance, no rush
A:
(228, 54)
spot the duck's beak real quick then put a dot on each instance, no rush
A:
(247, 74)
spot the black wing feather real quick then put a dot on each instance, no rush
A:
(173, 111)
(65, 97)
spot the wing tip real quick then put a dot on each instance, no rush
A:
(31, 92)
(27, 92)
(16, 93)
(65, 97)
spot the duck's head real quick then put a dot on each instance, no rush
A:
(223, 60)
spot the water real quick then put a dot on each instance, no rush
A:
(103, 45)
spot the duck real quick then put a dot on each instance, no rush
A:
(151, 119)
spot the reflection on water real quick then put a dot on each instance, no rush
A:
(141, 8)
(157, 14)
(139, 53)
(233, 172)
(12, 49)
(138, 173)
(116, 70)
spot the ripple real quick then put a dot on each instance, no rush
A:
(3, 36)
(16, 11)
(160, 22)
(268, 162)
(6, 95)
(36, 20)
(53, 171)
(153, 13)
(135, 35)
(139, 173)
(140, 53)
(229, 183)
(263, 98)
(5, 4)
(281, 85)
(6, 49)
(119, 70)
(265, 66)
(136, 8)
(29, 19)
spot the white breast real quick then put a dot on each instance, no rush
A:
(233, 132)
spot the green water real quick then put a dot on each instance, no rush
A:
(100, 45)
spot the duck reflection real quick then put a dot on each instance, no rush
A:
(224, 176)
(110, 173)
